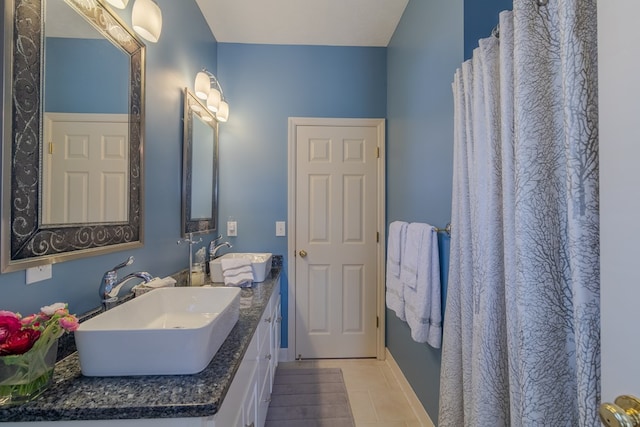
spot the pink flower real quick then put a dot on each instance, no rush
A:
(18, 335)
(30, 320)
(70, 323)
(9, 324)
(50, 310)
(19, 342)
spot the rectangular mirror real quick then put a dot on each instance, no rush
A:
(73, 89)
(199, 168)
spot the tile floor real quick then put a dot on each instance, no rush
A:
(376, 397)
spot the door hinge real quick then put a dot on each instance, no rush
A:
(377, 152)
(377, 237)
(377, 322)
(50, 147)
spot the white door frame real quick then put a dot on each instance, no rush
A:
(294, 122)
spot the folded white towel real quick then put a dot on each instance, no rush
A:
(228, 263)
(169, 281)
(157, 282)
(242, 280)
(422, 304)
(394, 287)
(236, 271)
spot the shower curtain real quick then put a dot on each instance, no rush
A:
(521, 330)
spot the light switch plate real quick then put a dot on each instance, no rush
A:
(280, 228)
(232, 228)
(39, 273)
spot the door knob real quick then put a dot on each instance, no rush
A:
(303, 253)
(625, 412)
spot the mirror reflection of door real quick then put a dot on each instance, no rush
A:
(202, 157)
(85, 149)
(85, 170)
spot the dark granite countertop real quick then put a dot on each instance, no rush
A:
(76, 397)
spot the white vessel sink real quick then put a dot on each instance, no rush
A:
(168, 331)
(260, 264)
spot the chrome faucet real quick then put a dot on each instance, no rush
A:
(213, 248)
(110, 285)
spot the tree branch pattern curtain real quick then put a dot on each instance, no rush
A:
(521, 340)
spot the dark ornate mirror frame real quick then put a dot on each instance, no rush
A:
(25, 242)
(192, 105)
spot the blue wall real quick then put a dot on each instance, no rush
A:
(423, 55)
(186, 45)
(265, 85)
(480, 17)
(98, 83)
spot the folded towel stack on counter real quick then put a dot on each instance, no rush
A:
(237, 272)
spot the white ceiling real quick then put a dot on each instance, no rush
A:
(304, 22)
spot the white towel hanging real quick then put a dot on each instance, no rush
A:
(394, 288)
(422, 303)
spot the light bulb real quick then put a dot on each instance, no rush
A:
(202, 85)
(223, 112)
(146, 18)
(213, 100)
(120, 4)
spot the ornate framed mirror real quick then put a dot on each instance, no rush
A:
(54, 98)
(199, 168)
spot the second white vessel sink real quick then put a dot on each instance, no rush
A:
(260, 265)
(168, 331)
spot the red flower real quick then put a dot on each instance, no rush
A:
(19, 342)
(9, 324)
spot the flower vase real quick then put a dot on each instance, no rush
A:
(24, 377)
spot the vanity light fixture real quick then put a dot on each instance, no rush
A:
(207, 87)
(120, 4)
(146, 19)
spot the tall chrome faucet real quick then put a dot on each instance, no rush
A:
(110, 285)
(191, 242)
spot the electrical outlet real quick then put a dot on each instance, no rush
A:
(39, 273)
(280, 228)
(232, 228)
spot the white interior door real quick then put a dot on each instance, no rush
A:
(619, 100)
(86, 168)
(336, 241)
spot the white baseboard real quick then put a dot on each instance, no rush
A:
(415, 403)
(283, 355)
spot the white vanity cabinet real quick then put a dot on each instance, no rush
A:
(247, 401)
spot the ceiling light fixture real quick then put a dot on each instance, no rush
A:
(207, 87)
(120, 4)
(146, 18)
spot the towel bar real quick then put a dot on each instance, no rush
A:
(447, 229)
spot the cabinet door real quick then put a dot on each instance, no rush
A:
(275, 340)
(264, 398)
(250, 409)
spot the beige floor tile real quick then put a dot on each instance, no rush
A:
(414, 423)
(362, 406)
(392, 407)
(364, 378)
